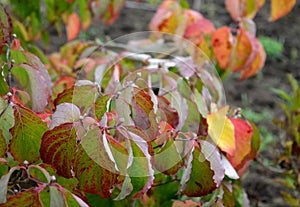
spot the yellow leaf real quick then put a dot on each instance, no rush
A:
(280, 8)
(221, 130)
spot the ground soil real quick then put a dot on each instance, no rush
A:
(254, 93)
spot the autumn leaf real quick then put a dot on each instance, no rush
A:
(205, 159)
(239, 9)
(72, 26)
(222, 44)
(197, 25)
(257, 64)
(280, 8)
(243, 135)
(244, 51)
(26, 135)
(166, 16)
(28, 198)
(6, 28)
(58, 148)
(221, 130)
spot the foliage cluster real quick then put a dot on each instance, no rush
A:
(93, 125)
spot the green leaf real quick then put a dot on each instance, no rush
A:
(290, 199)
(56, 197)
(39, 173)
(101, 106)
(168, 159)
(4, 182)
(29, 198)
(282, 94)
(4, 89)
(140, 169)
(205, 161)
(65, 112)
(26, 135)
(93, 177)
(293, 82)
(7, 120)
(37, 80)
(58, 148)
(3, 146)
(183, 88)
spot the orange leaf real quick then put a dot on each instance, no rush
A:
(73, 26)
(243, 134)
(221, 130)
(257, 64)
(222, 43)
(280, 8)
(244, 51)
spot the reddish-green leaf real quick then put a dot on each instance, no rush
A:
(26, 135)
(82, 95)
(281, 8)
(72, 26)
(28, 198)
(222, 43)
(108, 11)
(170, 114)
(204, 172)
(37, 80)
(93, 165)
(58, 148)
(143, 113)
(5, 28)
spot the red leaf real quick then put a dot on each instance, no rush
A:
(94, 166)
(222, 43)
(26, 135)
(257, 64)
(16, 44)
(280, 8)
(58, 148)
(197, 25)
(73, 26)
(243, 134)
